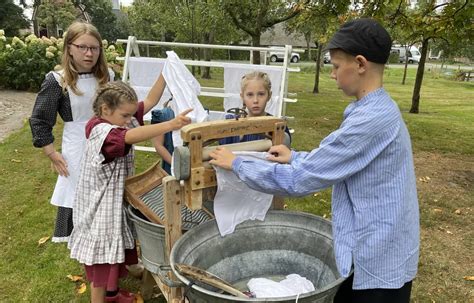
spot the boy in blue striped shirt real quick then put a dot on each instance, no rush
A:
(369, 163)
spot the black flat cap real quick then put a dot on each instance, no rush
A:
(364, 37)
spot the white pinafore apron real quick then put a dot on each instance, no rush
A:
(74, 139)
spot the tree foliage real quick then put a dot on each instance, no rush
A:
(11, 18)
(195, 21)
(318, 21)
(109, 25)
(54, 14)
(254, 17)
(450, 21)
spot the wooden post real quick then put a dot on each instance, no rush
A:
(172, 199)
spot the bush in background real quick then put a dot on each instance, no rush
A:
(25, 62)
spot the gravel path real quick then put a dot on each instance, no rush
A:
(15, 109)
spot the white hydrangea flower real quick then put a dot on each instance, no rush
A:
(60, 45)
(53, 39)
(60, 53)
(31, 38)
(3, 38)
(15, 40)
(8, 46)
(51, 49)
(2, 32)
(111, 48)
(105, 43)
(49, 55)
(46, 40)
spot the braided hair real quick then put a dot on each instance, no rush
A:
(113, 94)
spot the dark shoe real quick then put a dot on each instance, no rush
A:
(122, 296)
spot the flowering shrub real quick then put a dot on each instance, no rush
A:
(25, 62)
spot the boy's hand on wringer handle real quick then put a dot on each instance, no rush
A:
(181, 120)
(280, 154)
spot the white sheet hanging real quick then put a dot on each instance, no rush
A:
(142, 74)
(233, 74)
(235, 202)
(185, 89)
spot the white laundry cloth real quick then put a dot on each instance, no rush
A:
(185, 89)
(233, 74)
(142, 74)
(235, 202)
(293, 285)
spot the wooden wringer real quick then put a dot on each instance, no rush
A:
(195, 180)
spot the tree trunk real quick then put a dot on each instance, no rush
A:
(415, 101)
(407, 48)
(256, 54)
(307, 37)
(207, 53)
(405, 67)
(318, 69)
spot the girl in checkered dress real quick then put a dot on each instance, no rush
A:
(101, 238)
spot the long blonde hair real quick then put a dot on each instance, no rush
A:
(113, 94)
(70, 75)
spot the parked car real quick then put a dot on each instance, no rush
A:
(414, 54)
(278, 55)
(327, 58)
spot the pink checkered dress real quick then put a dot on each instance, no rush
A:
(101, 232)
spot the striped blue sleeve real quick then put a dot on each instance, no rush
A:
(343, 153)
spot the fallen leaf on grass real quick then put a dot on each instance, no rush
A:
(43, 240)
(448, 232)
(81, 288)
(15, 160)
(139, 298)
(75, 278)
(424, 179)
(469, 278)
(457, 211)
(437, 210)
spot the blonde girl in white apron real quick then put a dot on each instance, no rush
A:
(69, 93)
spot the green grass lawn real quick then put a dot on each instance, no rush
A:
(443, 141)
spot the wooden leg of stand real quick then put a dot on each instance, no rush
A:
(173, 200)
(148, 284)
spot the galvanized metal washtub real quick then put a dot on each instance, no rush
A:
(285, 243)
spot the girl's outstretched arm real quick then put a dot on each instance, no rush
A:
(154, 94)
(146, 132)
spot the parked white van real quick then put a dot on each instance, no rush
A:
(413, 54)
